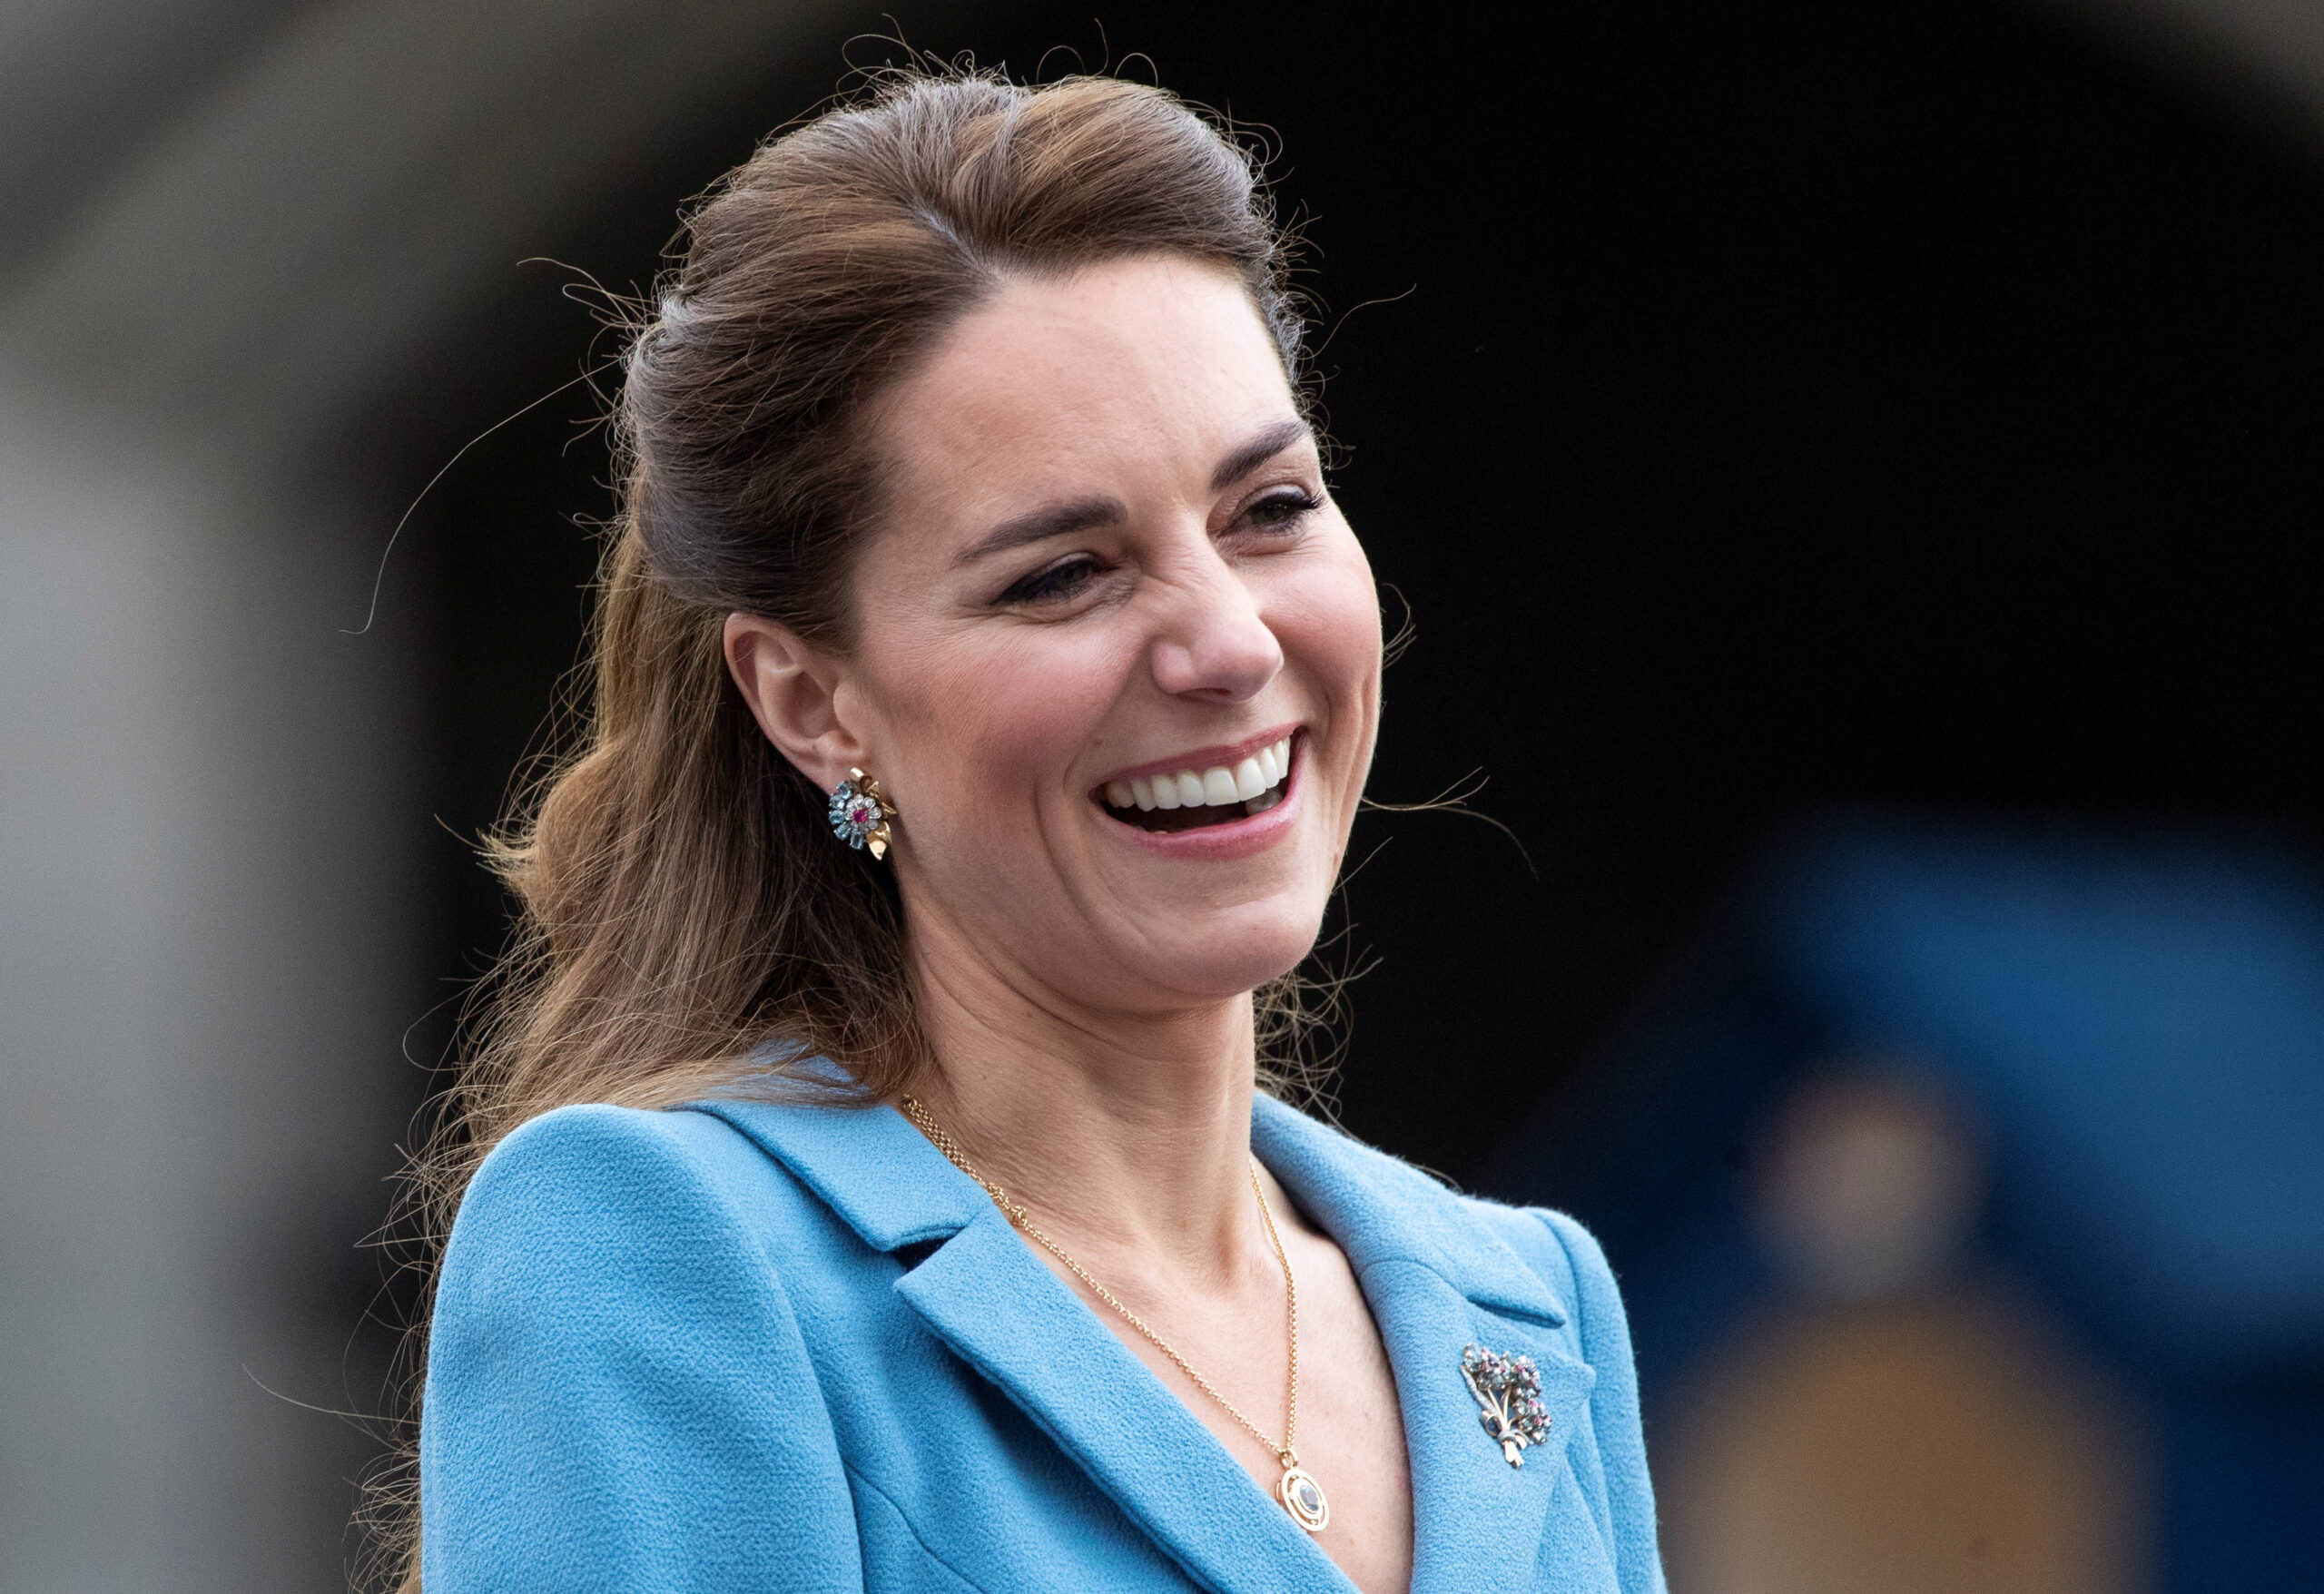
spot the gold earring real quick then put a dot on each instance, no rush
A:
(860, 813)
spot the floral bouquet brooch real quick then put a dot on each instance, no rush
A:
(1509, 1393)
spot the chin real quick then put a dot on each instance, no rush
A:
(1238, 952)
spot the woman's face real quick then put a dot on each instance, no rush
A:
(1110, 576)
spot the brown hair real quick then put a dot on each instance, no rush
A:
(684, 903)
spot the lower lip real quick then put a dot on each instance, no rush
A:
(1238, 837)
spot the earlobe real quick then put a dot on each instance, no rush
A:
(792, 690)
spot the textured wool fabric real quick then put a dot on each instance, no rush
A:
(746, 1346)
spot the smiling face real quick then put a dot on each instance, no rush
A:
(1117, 653)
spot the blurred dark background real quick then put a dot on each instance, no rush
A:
(1773, 415)
(1783, 405)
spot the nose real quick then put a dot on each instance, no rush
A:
(1215, 643)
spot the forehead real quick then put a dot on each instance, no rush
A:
(1144, 366)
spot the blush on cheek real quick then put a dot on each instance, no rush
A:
(1329, 627)
(1329, 596)
(995, 730)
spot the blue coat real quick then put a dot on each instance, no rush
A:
(742, 1346)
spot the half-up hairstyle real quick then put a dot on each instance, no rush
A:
(688, 926)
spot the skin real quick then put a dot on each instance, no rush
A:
(1087, 986)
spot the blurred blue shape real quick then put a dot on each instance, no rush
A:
(2133, 1019)
(2142, 1026)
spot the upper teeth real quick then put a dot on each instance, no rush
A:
(1254, 777)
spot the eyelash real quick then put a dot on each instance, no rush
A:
(1299, 501)
(1058, 580)
(1066, 576)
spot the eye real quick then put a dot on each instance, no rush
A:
(1281, 509)
(1052, 582)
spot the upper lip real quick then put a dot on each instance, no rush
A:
(1220, 755)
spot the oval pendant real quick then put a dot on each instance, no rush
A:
(1303, 1497)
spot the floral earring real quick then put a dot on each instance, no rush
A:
(861, 812)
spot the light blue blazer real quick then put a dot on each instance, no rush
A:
(742, 1346)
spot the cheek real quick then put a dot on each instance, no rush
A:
(1327, 620)
(979, 719)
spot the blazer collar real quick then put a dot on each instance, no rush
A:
(868, 1164)
(1383, 1210)
(1436, 1277)
(999, 1308)
(1439, 1279)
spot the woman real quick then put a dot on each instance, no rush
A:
(878, 1194)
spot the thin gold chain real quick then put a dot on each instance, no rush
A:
(1016, 1215)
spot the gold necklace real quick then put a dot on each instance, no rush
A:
(1301, 1496)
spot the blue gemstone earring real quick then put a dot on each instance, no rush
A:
(860, 813)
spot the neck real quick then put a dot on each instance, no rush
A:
(1127, 1132)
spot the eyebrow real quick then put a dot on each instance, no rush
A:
(1258, 452)
(1054, 520)
(1041, 524)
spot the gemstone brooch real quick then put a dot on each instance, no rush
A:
(1509, 1395)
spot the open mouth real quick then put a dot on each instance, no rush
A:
(1195, 798)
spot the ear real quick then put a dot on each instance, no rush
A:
(794, 691)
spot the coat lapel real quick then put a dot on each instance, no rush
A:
(1009, 1316)
(1435, 1276)
(1438, 1281)
(987, 1296)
